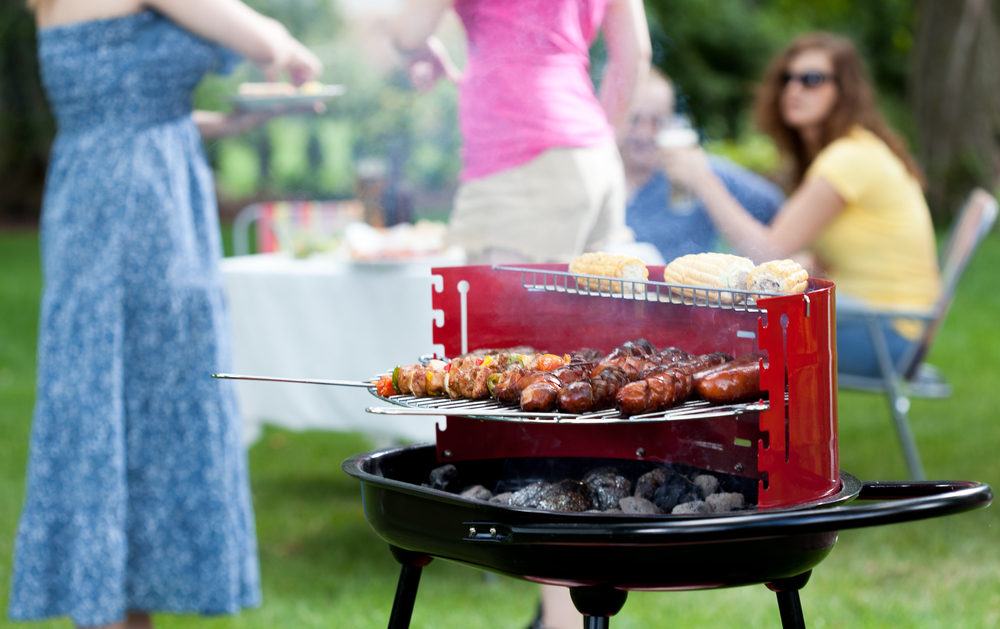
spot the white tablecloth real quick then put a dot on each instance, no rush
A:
(326, 319)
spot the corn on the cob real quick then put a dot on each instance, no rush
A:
(614, 265)
(716, 270)
(778, 276)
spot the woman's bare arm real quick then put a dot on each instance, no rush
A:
(238, 27)
(626, 34)
(418, 20)
(796, 225)
(413, 36)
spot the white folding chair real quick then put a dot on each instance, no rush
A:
(911, 376)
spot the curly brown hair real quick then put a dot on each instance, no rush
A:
(855, 104)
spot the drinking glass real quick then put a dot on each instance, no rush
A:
(678, 133)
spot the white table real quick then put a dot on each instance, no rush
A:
(326, 319)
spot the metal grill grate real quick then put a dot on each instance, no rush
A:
(493, 410)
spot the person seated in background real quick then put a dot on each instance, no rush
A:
(858, 207)
(676, 224)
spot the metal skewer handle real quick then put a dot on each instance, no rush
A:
(339, 383)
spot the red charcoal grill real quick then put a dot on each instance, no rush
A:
(788, 450)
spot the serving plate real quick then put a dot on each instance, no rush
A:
(257, 103)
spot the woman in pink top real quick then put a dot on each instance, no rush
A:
(542, 179)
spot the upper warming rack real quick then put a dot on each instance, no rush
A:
(546, 280)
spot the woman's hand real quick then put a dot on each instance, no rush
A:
(413, 36)
(687, 167)
(291, 57)
(430, 63)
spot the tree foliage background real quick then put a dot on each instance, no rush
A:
(936, 64)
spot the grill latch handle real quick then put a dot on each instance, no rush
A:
(486, 532)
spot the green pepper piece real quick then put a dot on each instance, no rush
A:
(491, 383)
(395, 378)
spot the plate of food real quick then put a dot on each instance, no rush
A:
(258, 96)
(422, 242)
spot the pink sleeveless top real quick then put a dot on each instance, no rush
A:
(526, 87)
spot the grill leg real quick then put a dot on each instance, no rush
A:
(597, 605)
(788, 600)
(406, 589)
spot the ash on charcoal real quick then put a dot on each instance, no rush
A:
(708, 485)
(602, 488)
(476, 492)
(529, 496)
(638, 506)
(503, 498)
(725, 502)
(444, 477)
(649, 482)
(695, 507)
(607, 487)
(566, 495)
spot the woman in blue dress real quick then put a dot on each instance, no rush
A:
(137, 497)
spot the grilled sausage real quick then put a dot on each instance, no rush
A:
(665, 385)
(592, 393)
(737, 381)
(541, 394)
(576, 397)
(672, 355)
(685, 370)
(655, 393)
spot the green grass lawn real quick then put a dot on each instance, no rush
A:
(323, 567)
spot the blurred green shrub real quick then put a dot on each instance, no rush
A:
(379, 116)
(238, 169)
(716, 51)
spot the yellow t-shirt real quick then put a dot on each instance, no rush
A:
(880, 247)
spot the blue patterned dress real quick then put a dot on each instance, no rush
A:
(137, 493)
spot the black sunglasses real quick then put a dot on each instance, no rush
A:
(808, 80)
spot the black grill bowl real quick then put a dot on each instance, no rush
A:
(621, 551)
(601, 556)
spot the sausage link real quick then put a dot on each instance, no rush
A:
(577, 397)
(541, 394)
(738, 381)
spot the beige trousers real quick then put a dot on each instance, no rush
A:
(551, 209)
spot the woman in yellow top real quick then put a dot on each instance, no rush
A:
(857, 214)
